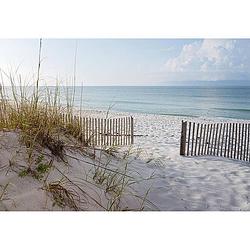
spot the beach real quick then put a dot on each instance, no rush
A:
(172, 182)
(186, 183)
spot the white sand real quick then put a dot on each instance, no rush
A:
(180, 183)
(188, 183)
(28, 193)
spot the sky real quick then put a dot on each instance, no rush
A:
(128, 61)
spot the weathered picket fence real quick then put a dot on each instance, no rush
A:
(229, 140)
(103, 131)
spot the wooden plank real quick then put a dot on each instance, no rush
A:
(86, 129)
(245, 142)
(101, 132)
(192, 146)
(113, 132)
(93, 131)
(226, 139)
(110, 132)
(212, 142)
(125, 137)
(98, 131)
(189, 131)
(248, 135)
(132, 130)
(105, 131)
(206, 142)
(242, 140)
(204, 139)
(200, 139)
(238, 144)
(80, 128)
(209, 139)
(118, 131)
(183, 137)
(215, 140)
(196, 139)
(222, 140)
(229, 141)
(124, 133)
(122, 141)
(235, 140)
(90, 130)
(129, 129)
(83, 130)
(126, 130)
(219, 139)
(232, 142)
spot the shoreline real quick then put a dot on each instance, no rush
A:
(113, 113)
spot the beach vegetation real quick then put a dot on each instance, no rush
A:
(35, 112)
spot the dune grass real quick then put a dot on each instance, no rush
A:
(35, 112)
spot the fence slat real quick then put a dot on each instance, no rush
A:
(235, 140)
(232, 143)
(196, 139)
(132, 130)
(219, 138)
(242, 140)
(239, 140)
(203, 143)
(248, 135)
(183, 137)
(200, 137)
(216, 136)
(189, 131)
(206, 141)
(226, 140)
(229, 140)
(212, 142)
(209, 138)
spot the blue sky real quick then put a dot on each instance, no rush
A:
(130, 61)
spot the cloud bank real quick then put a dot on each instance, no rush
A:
(211, 59)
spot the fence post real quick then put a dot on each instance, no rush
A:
(183, 137)
(132, 130)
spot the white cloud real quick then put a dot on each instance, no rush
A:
(211, 59)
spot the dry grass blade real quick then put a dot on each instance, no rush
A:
(63, 197)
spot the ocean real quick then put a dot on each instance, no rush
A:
(198, 100)
(194, 101)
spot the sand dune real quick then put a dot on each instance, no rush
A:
(179, 183)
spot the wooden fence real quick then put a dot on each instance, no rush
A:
(103, 131)
(229, 140)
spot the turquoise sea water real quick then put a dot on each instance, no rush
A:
(210, 101)
(198, 100)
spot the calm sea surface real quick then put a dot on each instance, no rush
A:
(211, 101)
(207, 100)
